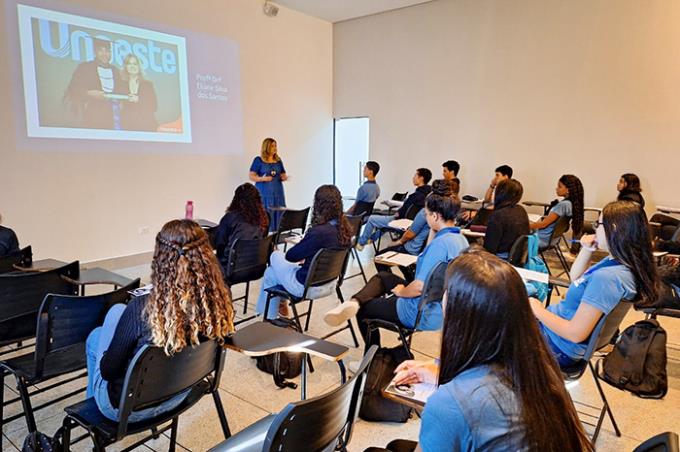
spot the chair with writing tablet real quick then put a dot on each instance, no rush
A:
(391, 207)
(293, 222)
(561, 228)
(23, 258)
(247, 262)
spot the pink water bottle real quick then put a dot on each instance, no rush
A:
(189, 210)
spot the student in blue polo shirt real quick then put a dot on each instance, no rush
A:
(372, 302)
(628, 273)
(369, 192)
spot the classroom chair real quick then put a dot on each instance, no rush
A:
(247, 262)
(24, 258)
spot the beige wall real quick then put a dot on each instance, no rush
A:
(589, 87)
(90, 206)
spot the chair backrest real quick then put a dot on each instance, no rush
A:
(65, 321)
(412, 211)
(519, 253)
(399, 196)
(317, 424)
(21, 295)
(248, 259)
(663, 442)
(327, 265)
(561, 227)
(433, 289)
(24, 258)
(153, 377)
(292, 220)
(363, 208)
(676, 235)
(606, 328)
(355, 224)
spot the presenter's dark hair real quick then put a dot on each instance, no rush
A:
(575, 188)
(632, 183)
(505, 170)
(508, 193)
(426, 174)
(328, 207)
(629, 242)
(443, 199)
(452, 165)
(248, 203)
(373, 166)
(488, 322)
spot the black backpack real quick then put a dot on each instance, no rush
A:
(638, 361)
(282, 365)
(375, 407)
(39, 442)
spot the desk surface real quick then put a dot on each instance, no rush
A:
(263, 338)
(535, 203)
(469, 233)
(205, 224)
(42, 265)
(100, 275)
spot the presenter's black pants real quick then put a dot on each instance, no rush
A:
(374, 303)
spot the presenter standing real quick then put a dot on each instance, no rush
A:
(268, 173)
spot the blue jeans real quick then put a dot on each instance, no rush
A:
(97, 343)
(373, 226)
(283, 272)
(562, 358)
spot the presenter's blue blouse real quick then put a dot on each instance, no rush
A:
(447, 244)
(271, 192)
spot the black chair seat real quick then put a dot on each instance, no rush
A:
(57, 362)
(87, 414)
(280, 291)
(250, 439)
(391, 326)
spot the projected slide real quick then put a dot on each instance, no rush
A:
(87, 78)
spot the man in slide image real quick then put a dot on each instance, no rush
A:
(89, 89)
(369, 191)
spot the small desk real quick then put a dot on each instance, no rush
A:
(669, 210)
(263, 338)
(41, 265)
(544, 205)
(472, 205)
(99, 275)
(205, 224)
(469, 233)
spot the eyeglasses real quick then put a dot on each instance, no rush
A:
(596, 224)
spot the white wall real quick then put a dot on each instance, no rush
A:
(90, 206)
(588, 87)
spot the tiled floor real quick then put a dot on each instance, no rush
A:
(248, 394)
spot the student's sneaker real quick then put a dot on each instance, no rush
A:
(361, 247)
(341, 313)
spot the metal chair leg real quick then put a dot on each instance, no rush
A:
(605, 407)
(221, 414)
(26, 404)
(309, 315)
(266, 307)
(173, 435)
(361, 267)
(245, 297)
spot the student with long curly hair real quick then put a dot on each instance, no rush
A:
(329, 229)
(245, 219)
(628, 273)
(374, 300)
(189, 303)
(497, 382)
(569, 188)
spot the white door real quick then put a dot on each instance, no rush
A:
(350, 154)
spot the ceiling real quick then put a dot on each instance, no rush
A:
(339, 10)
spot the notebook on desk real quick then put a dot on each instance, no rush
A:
(394, 258)
(530, 275)
(417, 393)
(401, 224)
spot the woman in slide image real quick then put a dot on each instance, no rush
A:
(138, 113)
(189, 303)
(570, 189)
(268, 173)
(245, 219)
(497, 383)
(628, 273)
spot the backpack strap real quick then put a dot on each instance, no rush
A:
(279, 379)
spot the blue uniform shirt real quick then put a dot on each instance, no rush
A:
(447, 244)
(474, 411)
(602, 287)
(421, 229)
(562, 209)
(368, 192)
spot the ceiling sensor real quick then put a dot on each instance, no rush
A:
(270, 9)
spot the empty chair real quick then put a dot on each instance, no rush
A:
(21, 295)
(293, 222)
(152, 378)
(323, 423)
(247, 262)
(24, 258)
(64, 322)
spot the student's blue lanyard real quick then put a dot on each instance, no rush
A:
(608, 263)
(452, 230)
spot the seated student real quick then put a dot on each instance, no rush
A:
(450, 169)
(415, 200)
(497, 383)
(670, 246)
(569, 187)
(9, 244)
(508, 220)
(372, 302)
(245, 219)
(369, 192)
(629, 189)
(503, 172)
(628, 273)
(329, 229)
(177, 313)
